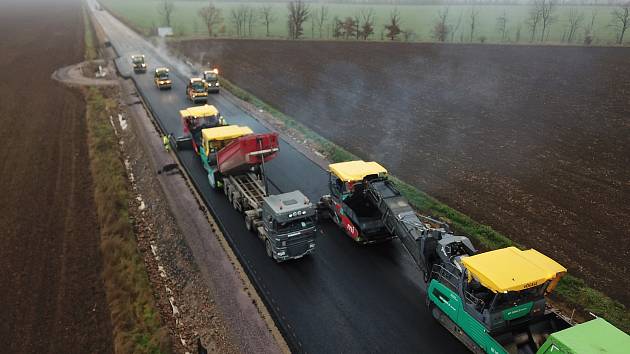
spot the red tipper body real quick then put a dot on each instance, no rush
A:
(250, 150)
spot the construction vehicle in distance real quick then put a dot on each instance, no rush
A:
(139, 66)
(493, 302)
(234, 159)
(161, 78)
(196, 90)
(194, 120)
(211, 78)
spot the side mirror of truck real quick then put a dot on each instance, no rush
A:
(183, 143)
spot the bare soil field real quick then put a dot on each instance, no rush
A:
(531, 140)
(51, 289)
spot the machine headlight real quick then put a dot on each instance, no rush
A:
(312, 245)
(217, 84)
(281, 253)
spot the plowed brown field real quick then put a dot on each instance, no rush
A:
(51, 290)
(534, 141)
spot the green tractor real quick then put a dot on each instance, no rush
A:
(494, 302)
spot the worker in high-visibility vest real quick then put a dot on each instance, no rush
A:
(167, 144)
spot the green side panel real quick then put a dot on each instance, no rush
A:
(595, 336)
(451, 304)
(517, 311)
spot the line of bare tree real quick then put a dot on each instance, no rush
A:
(541, 17)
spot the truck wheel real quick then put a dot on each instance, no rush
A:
(268, 249)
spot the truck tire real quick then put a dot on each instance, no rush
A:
(268, 249)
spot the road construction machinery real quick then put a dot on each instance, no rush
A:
(196, 90)
(162, 79)
(347, 203)
(137, 61)
(494, 302)
(211, 78)
(194, 120)
(234, 159)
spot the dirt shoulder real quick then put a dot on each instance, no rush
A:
(51, 285)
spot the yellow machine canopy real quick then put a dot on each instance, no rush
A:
(510, 269)
(199, 111)
(226, 132)
(353, 171)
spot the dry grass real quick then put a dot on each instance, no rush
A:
(134, 315)
(137, 326)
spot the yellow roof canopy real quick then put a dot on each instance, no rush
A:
(353, 171)
(199, 111)
(225, 132)
(510, 269)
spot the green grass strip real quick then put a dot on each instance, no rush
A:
(571, 290)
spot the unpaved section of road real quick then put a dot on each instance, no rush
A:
(531, 140)
(51, 290)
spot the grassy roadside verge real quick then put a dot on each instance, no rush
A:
(134, 315)
(571, 291)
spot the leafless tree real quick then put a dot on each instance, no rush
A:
(298, 14)
(502, 22)
(337, 27)
(267, 17)
(367, 23)
(348, 27)
(211, 16)
(473, 22)
(357, 22)
(533, 20)
(321, 16)
(250, 18)
(575, 20)
(621, 20)
(547, 7)
(590, 28)
(441, 28)
(165, 9)
(239, 16)
(393, 28)
(457, 25)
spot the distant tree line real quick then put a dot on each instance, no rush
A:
(447, 26)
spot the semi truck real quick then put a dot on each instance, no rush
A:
(234, 159)
(137, 61)
(162, 79)
(211, 78)
(493, 302)
(196, 90)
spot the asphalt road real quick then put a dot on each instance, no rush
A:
(343, 298)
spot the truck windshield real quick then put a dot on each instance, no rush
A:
(203, 122)
(163, 76)
(512, 298)
(295, 225)
(211, 77)
(198, 87)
